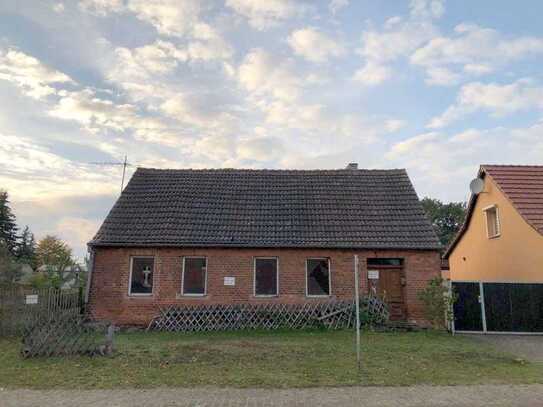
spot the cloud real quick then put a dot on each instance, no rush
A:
(169, 17)
(460, 154)
(427, 9)
(264, 74)
(31, 171)
(496, 99)
(336, 5)
(33, 77)
(58, 8)
(442, 76)
(474, 50)
(398, 38)
(85, 107)
(372, 74)
(102, 7)
(263, 149)
(202, 110)
(77, 231)
(263, 15)
(314, 45)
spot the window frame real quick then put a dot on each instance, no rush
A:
(255, 258)
(130, 293)
(329, 278)
(183, 277)
(498, 223)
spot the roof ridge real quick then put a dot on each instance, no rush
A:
(275, 169)
(512, 165)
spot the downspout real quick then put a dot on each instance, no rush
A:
(89, 274)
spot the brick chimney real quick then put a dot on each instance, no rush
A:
(352, 166)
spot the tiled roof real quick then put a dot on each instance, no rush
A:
(269, 208)
(523, 186)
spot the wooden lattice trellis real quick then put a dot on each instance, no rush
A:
(65, 334)
(332, 315)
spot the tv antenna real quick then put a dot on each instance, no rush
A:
(123, 164)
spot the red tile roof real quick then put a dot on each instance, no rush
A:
(523, 186)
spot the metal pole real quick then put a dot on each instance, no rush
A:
(482, 301)
(124, 170)
(357, 307)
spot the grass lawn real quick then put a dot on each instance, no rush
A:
(276, 359)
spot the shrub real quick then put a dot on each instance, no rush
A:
(438, 302)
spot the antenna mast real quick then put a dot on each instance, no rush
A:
(124, 164)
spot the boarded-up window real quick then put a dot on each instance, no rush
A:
(141, 275)
(194, 275)
(318, 277)
(266, 273)
(492, 222)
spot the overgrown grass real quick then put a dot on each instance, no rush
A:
(272, 359)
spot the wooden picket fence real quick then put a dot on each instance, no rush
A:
(66, 334)
(269, 316)
(21, 306)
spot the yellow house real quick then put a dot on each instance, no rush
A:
(502, 237)
(496, 260)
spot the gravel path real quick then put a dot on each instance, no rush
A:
(450, 396)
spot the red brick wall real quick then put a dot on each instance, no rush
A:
(109, 299)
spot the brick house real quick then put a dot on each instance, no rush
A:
(189, 237)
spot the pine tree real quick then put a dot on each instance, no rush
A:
(8, 227)
(26, 251)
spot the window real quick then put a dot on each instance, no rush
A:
(141, 275)
(318, 277)
(392, 262)
(492, 222)
(194, 276)
(266, 277)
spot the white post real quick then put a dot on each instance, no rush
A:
(357, 307)
(482, 301)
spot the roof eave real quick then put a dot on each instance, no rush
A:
(260, 246)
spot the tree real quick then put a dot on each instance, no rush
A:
(8, 227)
(53, 253)
(447, 218)
(10, 270)
(26, 250)
(54, 257)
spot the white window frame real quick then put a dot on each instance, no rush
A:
(183, 277)
(130, 293)
(498, 223)
(276, 276)
(329, 278)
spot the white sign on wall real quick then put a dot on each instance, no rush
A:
(31, 299)
(230, 281)
(373, 274)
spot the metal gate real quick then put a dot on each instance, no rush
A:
(498, 307)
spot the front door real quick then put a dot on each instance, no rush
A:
(387, 284)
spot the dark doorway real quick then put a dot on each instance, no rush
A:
(467, 308)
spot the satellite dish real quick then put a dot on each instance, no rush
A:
(476, 186)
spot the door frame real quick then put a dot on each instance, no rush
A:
(403, 281)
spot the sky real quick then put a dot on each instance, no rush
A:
(437, 87)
